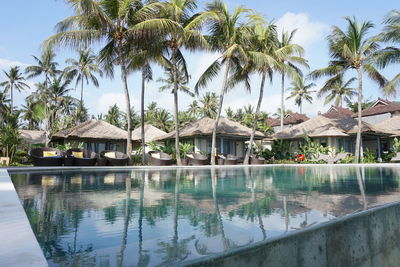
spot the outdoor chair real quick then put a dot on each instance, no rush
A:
(115, 158)
(197, 159)
(156, 158)
(340, 156)
(46, 156)
(88, 158)
(231, 160)
(254, 160)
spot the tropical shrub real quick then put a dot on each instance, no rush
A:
(9, 136)
(369, 157)
(184, 149)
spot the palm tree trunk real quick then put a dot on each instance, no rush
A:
(12, 98)
(282, 98)
(221, 101)
(260, 98)
(358, 138)
(301, 108)
(81, 94)
(128, 110)
(142, 117)
(175, 74)
(140, 223)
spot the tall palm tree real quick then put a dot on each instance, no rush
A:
(391, 55)
(83, 69)
(338, 90)
(290, 63)
(181, 12)
(15, 80)
(45, 65)
(352, 49)
(301, 92)
(118, 25)
(263, 60)
(228, 35)
(4, 107)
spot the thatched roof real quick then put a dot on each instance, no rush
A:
(321, 124)
(93, 129)
(204, 127)
(334, 112)
(33, 136)
(151, 133)
(391, 124)
(332, 131)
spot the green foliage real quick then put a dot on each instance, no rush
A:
(184, 149)
(348, 159)
(369, 157)
(280, 150)
(68, 145)
(312, 149)
(9, 135)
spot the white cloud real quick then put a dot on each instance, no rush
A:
(308, 32)
(7, 63)
(109, 99)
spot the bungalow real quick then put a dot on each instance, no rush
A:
(289, 120)
(339, 132)
(231, 136)
(96, 135)
(33, 137)
(151, 134)
(381, 110)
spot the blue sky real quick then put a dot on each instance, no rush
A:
(26, 24)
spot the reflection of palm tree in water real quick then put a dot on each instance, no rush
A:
(255, 202)
(360, 180)
(128, 188)
(177, 251)
(143, 259)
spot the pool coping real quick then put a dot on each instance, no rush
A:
(20, 246)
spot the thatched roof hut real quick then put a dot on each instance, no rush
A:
(391, 124)
(204, 127)
(33, 137)
(151, 133)
(93, 129)
(320, 124)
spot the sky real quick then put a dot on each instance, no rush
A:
(26, 24)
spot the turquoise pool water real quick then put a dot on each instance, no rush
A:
(157, 218)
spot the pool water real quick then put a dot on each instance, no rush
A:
(157, 218)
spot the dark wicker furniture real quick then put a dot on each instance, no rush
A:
(38, 159)
(254, 160)
(89, 157)
(164, 160)
(198, 159)
(121, 159)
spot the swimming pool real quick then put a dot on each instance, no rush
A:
(160, 217)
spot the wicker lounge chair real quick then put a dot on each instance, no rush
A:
(156, 158)
(254, 160)
(121, 159)
(39, 160)
(89, 157)
(230, 160)
(197, 159)
(396, 158)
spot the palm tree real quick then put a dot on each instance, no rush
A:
(228, 35)
(83, 69)
(116, 24)
(180, 11)
(113, 116)
(262, 60)
(45, 65)
(289, 63)
(4, 108)
(209, 105)
(163, 120)
(169, 84)
(300, 92)
(391, 55)
(194, 108)
(338, 90)
(15, 80)
(352, 49)
(279, 113)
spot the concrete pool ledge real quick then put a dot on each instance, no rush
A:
(18, 246)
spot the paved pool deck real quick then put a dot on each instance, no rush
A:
(19, 246)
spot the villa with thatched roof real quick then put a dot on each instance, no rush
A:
(96, 135)
(339, 132)
(231, 136)
(151, 132)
